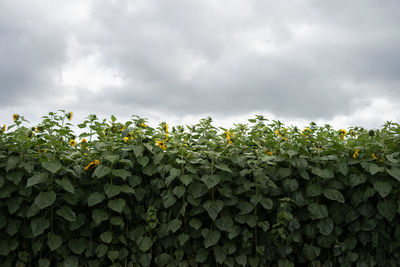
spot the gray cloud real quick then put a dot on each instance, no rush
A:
(298, 59)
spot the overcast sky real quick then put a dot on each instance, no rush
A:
(298, 61)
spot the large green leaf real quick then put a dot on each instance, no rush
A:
(169, 199)
(66, 185)
(52, 167)
(211, 180)
(122, 173)
(77, 245)
(325, 226)
(66, 213)
(143, 160)
(317, 211)
(101, 171)
(387, 209)
(323, 173)
(54, 241)
(37, 179)
(45, 199)
(117, 204)
(223, 167)
(95, 198)
(211, 237)
(112, 190)
(106, 237)
(394, 172)
(144, 243)
(213, 208)
(313, 190)
(219, 254)
(383, 188)
(138, 150)
(174, 225)
(11, 163)
(38, 225)
(357, 179)
(333, 194)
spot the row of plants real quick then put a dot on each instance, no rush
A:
(258, 194)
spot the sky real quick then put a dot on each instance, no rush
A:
(178, 61)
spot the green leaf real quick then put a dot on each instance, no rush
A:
(241, 260)
(121, 173)
(211, 180)
(195, 223)
(183, 238)
(211, 238)
(117, 204)
(95, 198)
(143, 161)
(186, 179)
(267, 203)
(219, 254)
(38, 225)
(223, 167)
(138, 150)
(169, 199)
(333, 194)
(77, 246)
(54, 241)
(113, 255)
(112, 190)
(325, 226)
(174, 225)
(66, 185)
(290, 185)
(383, 188)
(45, 199)
(44, 263)
(99, 216)
(144, 243)
(101, 171)
(317, 211)
(12, 162)
(395, 172)
(52, 167)
(213, 208)
(106, 237)
(313, 190)
(101, 250)
(374, 169)
(311, 252)
(66, 213)
(201, 255)
(225, 223)
(325, 173)
(37, 179)
(179, 191)
(111, 158)
(387, 209)
(342, 167)
(357, 179)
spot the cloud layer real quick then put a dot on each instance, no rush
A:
(303, 60)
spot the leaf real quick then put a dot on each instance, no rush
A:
(219, 254)
(45, 199)
(101, 171)
(174, 225)
(52, 167)
(223, 167)
(54, 241)
(173, 174)
(138, 150)
(325, 173)
(224, 223)
(195, 223)
(117, 204)
(267, 203)
(201, 255)
(95, 198)
(211, 237)
(66, 213)
(38, 225)
(179, 191)
(387, 209)
(357, 179)
(333, 194)
(66, 185)
(121, 173)
(183, 238)
(106, 237)
(213, 208)
(374, 169)
(394, 172)
(317, 211)
(144, 243)
(325, 226)
(313, 190)
(241, 260)
(77, 246)
(311, 252)
(290, 185)
(211, 180)
(168, 199)
(12, 162)
(111, 190)
(99, 216)
(111, 158)
(37, 179)
(186, 179)
(143, 161)
(44, 263)
(383, 188)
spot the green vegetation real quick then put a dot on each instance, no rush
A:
(126, 194)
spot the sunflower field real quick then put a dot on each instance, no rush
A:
(258, 194)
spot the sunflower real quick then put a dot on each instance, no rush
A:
(83, 141)
(15, 117)
(356, 153)
(4, 128)
(228, 136)
(91, 164)
(161, 144)
(268, 152)
(126, 138)
(143, 125)
(69, 115)
(342, 133)
(72, 142)
(306, 132)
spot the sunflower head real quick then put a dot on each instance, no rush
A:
(15, 117)
(143, 125)
(161, 144)
(126, 138)
(83, 141)
(69, 115)
(72, 142)
(3, 129)
(356, 151)
(30, 134)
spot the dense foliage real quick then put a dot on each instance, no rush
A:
(127, 194)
